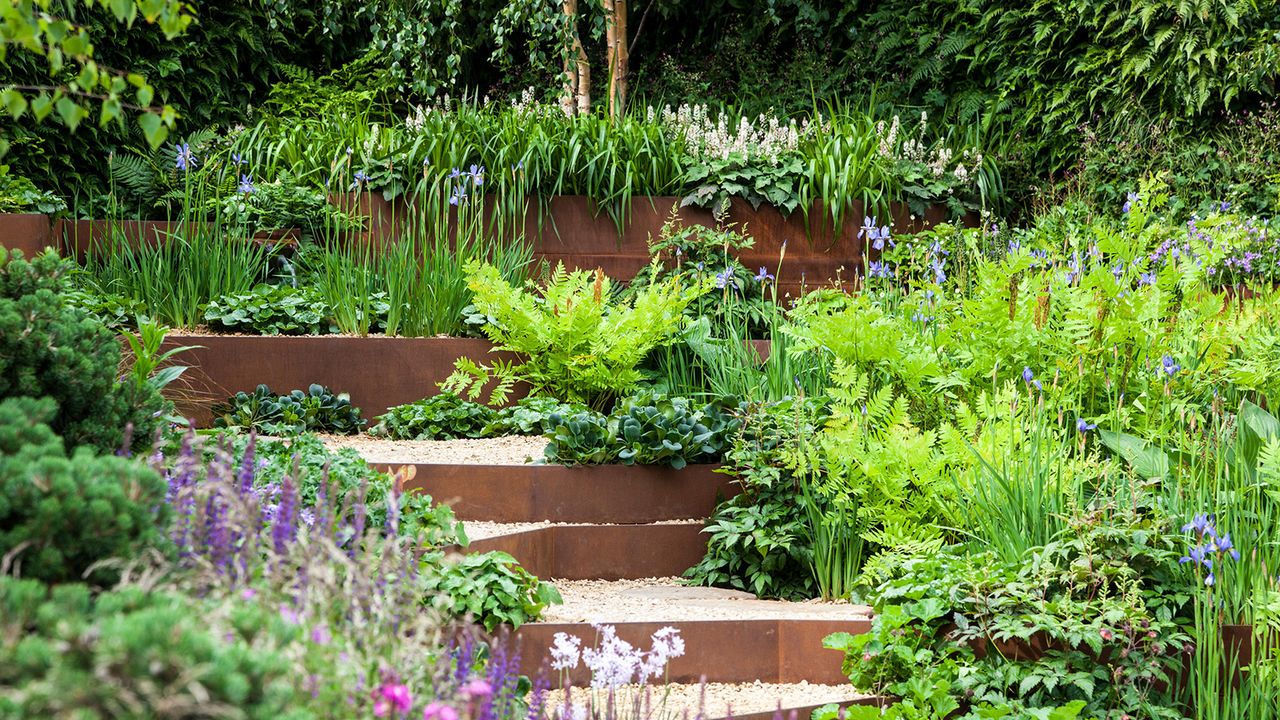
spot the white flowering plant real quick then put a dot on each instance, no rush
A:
(930, 173)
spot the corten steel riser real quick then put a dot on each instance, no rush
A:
(581, 494)
(730, 651)
(26, 232)
(378, 372)
(602, 552)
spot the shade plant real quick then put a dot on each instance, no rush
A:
(572, 340)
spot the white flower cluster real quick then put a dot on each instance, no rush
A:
(938, 161)
(766, 137)
(616, 662)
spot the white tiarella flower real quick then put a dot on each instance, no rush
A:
(565, 651)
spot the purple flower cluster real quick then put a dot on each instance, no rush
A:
(462, 180)
(1207, 545)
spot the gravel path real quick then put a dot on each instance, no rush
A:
(668, 600)
(510, 450)
(721, 700)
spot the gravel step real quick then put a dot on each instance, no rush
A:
(719, 700)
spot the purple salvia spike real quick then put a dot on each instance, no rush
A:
(247, 468)
(285, 526)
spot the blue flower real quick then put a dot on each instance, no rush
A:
(1224, 206)
(1082, 426)
(1029, 378)
(246, 184)
(1202, 524)
(358, 180)
(1168, 366)
(459, 196)
(725, 278)
(477, 174)
(764, 276)
(236, 159)
(1128, 203)
(877, 236)
(879, 269)
(183, 159)
(1198, 555)
(1223, 545)
(922, 318)
(1147, 278)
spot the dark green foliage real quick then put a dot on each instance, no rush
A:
(439, 417)
(317, 409)
(134, 653)
(760, 540)
(1091, 617)
(272, 310)
(1043, 68)
(656, 430)
(60, 514)
(530, 416)
(758, 543)
(50, 350)
(647, 429)
(489, 587)
(581, 439)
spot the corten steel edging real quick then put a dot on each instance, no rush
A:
(377, 372)
(574, 230)
(582, 494)
(30, 233)
(602, 552)
(729, 651)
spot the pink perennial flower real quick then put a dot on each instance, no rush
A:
(439, 711)
(392, 696)
(476, 689)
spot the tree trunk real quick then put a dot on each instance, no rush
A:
(619, 56)
(569, 93)
(576, 93)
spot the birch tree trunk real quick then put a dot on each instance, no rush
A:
(619, 56)
(576, 93)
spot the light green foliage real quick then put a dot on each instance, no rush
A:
(571, 340)
(141, 653)
(61, 513)
(75, 76)
(20, 195)
(490, 588)
(50, 350)
(271, 310)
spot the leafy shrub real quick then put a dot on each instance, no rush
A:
(581, 439)
(60, 514)
(318, 410)
(272, 310)
(50, 350)
(654, 429)
(20, 195)
(281, 204)
(136, 652)
(573, 342)
(1089, 618)
(758, 543)
(489, 587)
(530, 416)
(648, 429)
(439, 417)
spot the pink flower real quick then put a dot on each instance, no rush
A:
(475, 689)
(392, 696)
(439, 711)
